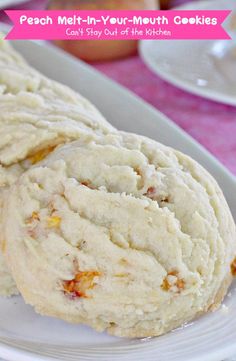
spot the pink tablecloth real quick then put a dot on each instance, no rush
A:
(212, 124)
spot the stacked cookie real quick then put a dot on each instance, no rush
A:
(101, 227)
(36, 115)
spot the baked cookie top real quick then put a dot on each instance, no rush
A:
(121, 233)
(36, 114)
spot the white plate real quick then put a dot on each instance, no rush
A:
(202, 67)
(26, 336)
(4, 4)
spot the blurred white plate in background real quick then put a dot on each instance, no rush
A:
(203, 67)
(9, 3)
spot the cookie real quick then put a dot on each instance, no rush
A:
(120, 233)
(36, 115)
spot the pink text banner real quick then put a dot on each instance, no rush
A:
(108, 24)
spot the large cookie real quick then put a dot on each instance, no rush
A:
(120, 233)
(36, 114)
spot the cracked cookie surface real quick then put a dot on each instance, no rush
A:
(36, 115)
(121, 233)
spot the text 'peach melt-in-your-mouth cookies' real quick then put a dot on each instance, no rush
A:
(82, 282)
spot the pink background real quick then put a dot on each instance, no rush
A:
(212, 124)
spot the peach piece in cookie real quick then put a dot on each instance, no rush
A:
(134, 253)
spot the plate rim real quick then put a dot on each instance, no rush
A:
(16, 353)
